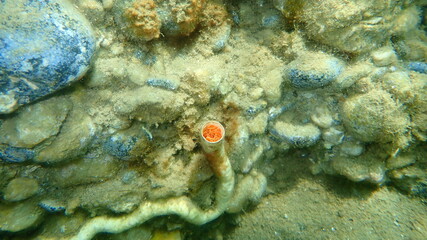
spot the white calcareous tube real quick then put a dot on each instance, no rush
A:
(213, 145)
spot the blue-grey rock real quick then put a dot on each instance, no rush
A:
(270, 21)
(419, 189)
(15, 155)
(162, 83)
(420, 67)
(235, 17)
(145, 57)
(120, 145)
(313, 70)
(220, 38)
(129, 176)
(45, 46)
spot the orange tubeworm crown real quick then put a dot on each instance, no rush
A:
(212, 136)
(213, 132)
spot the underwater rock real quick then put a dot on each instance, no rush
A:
(255, 184)
(197, 85)
(419, 189)
(52, 205)
(411, 179)
(360, 169)
(162, 83)
(375, 116)
(270, 21)
(332, 137)
(151, 105)
(120, 145)
(15, 155)
(384, 56)
(46, 45)
(20, 188)
(420, 67)
(401, 160)
(313, 70)
(19, 216)
(220, 37)
(129, 176)
(352, 148)
(352, 74)
(299, 135)
(72, 141)
(349, 26)
(89, 169)
(322, 117)
(400, 85)
(258, 124)
(35, 123)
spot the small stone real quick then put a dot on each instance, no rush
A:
(360, 169)
(249, 189)
(162, 83)
(19, 216)
(384, 56)
(351, 148)
(35, 123)
(120, 145)
(332, 137)
(256, 93)
(401, 161)
(270, 21)
(129, 176)
(322, 117)
(258, 124)
(21, 188)
(52, 205)
(107, 4)
(400, 85)
(88, 169)
(299, 135)
(148, 104)
(313, 70)
(420, 67)
(72, 141)
(7, 102)
(219, 37)
(46, 45)
(352, 74)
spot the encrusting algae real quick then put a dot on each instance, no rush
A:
(144, 19)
